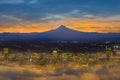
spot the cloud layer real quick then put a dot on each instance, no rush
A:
(26, 72)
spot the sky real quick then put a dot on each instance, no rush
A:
(26, 16)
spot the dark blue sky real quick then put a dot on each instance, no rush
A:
(41, 11)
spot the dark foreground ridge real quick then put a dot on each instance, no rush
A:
(61, 38)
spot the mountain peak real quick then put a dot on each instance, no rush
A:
(62, 27)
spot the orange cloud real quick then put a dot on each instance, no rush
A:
(76, 24)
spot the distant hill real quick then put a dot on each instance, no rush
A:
(61, 34)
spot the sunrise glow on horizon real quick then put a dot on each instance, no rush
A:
(26, 16)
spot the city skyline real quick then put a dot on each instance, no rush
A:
(26, 16)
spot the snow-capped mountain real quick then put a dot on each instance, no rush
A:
(62, 33)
